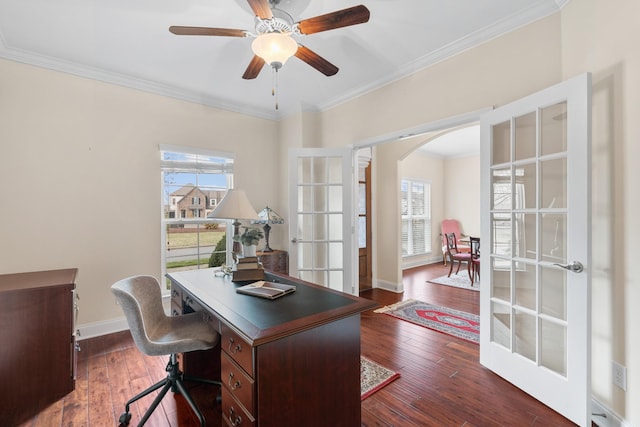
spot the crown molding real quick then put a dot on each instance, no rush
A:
(56, 64)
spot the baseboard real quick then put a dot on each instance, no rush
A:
(91, 330)
(603, 416)
(96, 329)
(421, 262)
(390, 286)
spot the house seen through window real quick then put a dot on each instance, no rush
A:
(193, 182)
(415, 199)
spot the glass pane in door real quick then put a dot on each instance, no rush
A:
(553, 351)
(501, 147)
(554, 129)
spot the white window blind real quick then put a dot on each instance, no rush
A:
(415, 197)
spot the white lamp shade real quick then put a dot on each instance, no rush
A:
(275, 48)
(234, 205)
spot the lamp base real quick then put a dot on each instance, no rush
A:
(267, 229)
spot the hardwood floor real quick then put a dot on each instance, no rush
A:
(441, 383)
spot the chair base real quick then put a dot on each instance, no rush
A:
(174, 381)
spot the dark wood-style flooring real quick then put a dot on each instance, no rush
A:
(441, 383)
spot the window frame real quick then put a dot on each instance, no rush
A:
(225, 166)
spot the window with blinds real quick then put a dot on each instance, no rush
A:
(193, 183)
(416, 217)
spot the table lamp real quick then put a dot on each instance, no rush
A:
(234, 205)
(268, 216)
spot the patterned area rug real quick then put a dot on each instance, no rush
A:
(373, 377)
(442, 319)
(460, 280)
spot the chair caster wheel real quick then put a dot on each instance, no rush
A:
(124, 418)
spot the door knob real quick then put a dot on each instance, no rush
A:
(575, 266)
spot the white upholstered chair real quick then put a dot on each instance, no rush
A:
(157, 334)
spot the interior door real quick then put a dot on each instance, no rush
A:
(364, 227)
(321, 227)
(535, 290)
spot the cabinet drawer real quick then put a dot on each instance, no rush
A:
(233, 413)
(238, 382)
(237, 348)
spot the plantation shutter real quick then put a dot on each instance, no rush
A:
(415, 197)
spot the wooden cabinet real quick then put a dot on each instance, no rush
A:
(37, 354)
(276, 261)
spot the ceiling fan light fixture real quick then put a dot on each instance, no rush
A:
(275, 48)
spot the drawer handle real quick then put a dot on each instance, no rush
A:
(234, 386)
(232, 349)
(238, 419)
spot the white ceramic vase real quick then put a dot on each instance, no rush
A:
(249, 250)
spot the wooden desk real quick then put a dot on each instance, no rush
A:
(292, 361)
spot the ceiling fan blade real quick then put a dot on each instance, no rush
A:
(261, 8)
(205, 31)
(254, 68)
(316, 61)
(341, 18)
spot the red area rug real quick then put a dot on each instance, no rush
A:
(442, 319)
(373, 377)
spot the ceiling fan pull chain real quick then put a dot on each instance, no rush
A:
(274, 89)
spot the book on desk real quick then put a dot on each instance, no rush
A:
(247, 268)
(269, 290)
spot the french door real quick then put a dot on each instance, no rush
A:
(535, 291)
(321, 227)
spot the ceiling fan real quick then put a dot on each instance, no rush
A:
(273, 43)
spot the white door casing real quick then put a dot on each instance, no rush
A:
(535, 219)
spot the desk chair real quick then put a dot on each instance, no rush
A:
(157, 334)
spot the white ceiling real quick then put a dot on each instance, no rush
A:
(127, 42)
(463, 142)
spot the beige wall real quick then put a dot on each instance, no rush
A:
(76, 152)
(602, 37)
(462, 193)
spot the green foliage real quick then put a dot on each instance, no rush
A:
(249, 237)
(219, 255)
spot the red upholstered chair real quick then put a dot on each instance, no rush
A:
(451, 226)
(456, 256)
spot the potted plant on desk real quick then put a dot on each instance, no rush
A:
(249, 238)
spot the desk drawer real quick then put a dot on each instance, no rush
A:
(233, 413)
(176, 301)
(238, 382)
(237, 349)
